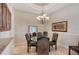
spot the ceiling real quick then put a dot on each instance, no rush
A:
(37, 7)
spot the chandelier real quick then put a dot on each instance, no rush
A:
(43, 18)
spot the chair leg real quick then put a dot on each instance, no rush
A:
(69, 50)
(49, 48)
(27, 48)
(56, 47)
(36, 48)
(52, 46)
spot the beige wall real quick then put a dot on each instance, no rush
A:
(22, 21)
(69, 13)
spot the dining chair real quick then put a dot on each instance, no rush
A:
(43, 46)
(29, 42)
(54, 40)
(45, 33)
(39, 34)
(34, 37)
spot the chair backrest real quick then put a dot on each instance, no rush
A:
(45, 33)
(28, 38)
(39, 34)
(43, 46)
(34, 34)
(55, 37)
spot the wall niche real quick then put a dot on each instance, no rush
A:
(5, 17)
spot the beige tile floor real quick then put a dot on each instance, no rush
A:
(21, 49)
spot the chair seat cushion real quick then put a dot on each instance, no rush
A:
(52, 43)
(33, 43)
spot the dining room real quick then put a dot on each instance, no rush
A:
(61, 19)
(39, 28)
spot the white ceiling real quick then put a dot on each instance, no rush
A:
(37, 8)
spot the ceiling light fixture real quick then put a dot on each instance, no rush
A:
(43, 18)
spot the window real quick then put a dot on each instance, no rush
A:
(32, 29)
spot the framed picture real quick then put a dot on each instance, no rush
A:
(60, 26)
(5, 17)
(1, 17)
